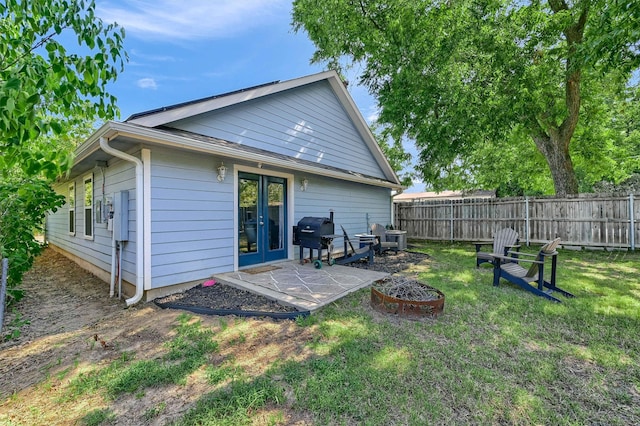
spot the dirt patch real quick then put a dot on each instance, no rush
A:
(69, 325)
(63, 309)
(59, 297)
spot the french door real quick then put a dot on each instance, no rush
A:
(262, 218)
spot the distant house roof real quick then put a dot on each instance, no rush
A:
(443, 195)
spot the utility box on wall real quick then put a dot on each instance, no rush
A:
(121, 216)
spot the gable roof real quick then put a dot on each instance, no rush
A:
(148, 129)
(160, 117)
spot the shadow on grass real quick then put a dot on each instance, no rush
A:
(496, 355)
(187, 352)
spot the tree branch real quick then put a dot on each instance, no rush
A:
(574, 35)
(558, 5)
(366, 15)
(39, 44)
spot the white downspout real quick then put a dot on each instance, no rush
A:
(394, 192)
(104, 145)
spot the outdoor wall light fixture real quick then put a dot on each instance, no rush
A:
(222, 172)
(303, 184)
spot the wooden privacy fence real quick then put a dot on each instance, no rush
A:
(600, 220)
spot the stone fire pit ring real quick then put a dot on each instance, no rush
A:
(406, 297)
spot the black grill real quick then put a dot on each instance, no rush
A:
(314, 233)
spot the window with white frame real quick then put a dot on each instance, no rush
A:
(88, 206)
(71, 201)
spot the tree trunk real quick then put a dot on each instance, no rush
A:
(553, 141)
(556, 152)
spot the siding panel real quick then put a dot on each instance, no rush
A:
(307, 123)
(356, 207)
(119, 176)
(192, 219)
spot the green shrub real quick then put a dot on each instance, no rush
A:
(24, 202)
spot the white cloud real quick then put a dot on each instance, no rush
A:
(373, 114)
(147, 83)
(152, 58)
(195, 19)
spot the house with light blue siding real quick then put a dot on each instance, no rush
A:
(169, 197)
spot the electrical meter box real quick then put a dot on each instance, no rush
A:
(121, 216)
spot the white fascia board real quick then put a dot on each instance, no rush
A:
(112, 129)
(92, 144)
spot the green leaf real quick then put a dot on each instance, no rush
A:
(13, 84)
(88, 76)
(56, 127)
(10, 105)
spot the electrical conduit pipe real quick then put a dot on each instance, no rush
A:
(104, 145)
(112, 283)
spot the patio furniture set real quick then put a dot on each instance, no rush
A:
(535, 273)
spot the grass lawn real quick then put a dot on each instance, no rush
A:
(498, 355)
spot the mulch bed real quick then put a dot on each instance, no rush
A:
(223, 296)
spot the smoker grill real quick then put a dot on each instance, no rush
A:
(315, 233)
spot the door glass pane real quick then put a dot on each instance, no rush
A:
(276, 215)
(248, 220)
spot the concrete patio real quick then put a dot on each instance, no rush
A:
(302, 286)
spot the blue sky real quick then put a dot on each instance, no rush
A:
(181, 51)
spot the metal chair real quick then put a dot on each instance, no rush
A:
(366, 252)
(381, 235)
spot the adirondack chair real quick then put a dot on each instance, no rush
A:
(381, 234)
(354, 255)
(503, 241)
(531, 279)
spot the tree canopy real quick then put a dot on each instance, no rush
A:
(43, 86)
(56, 60)
(489, 90)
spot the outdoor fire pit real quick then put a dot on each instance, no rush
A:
(406, 297)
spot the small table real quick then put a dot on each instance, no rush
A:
(399, 237)
(366, 239)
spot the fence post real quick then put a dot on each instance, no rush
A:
(632, 231)
(451, 221)
(526, 218)
(3, 289)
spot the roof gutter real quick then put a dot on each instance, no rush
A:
(111, 129)
(104, 145)
(168, 139)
